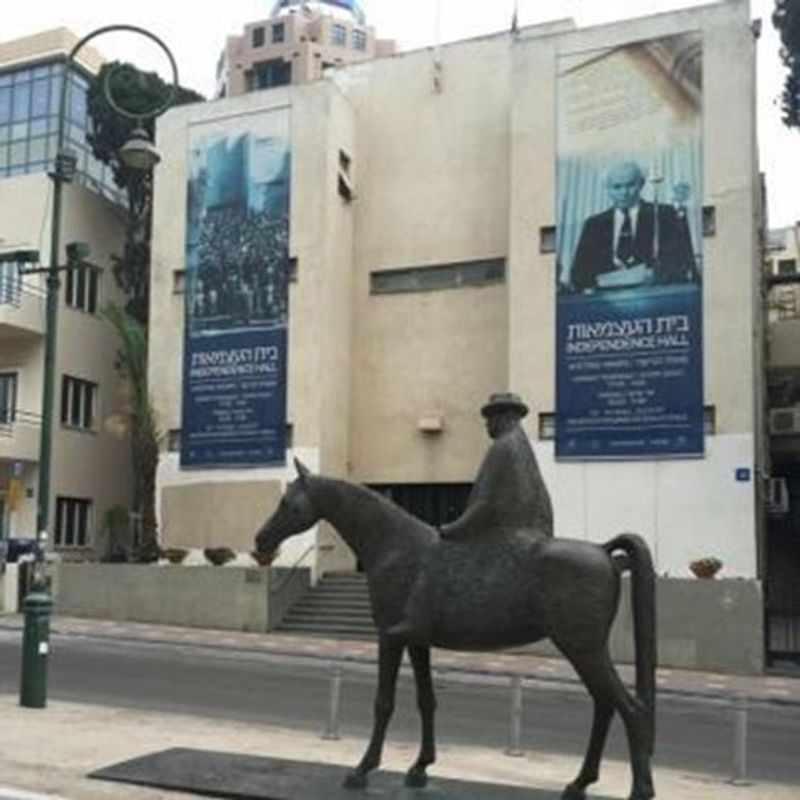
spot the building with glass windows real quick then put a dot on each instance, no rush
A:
(91, 453)
(296, 44)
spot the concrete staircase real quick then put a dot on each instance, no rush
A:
(337, 606)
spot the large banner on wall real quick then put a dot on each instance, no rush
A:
(237, 238)
(629, 322)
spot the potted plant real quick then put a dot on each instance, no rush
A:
(175, 555)
(706, 567)
(262, 559)
(218, 556)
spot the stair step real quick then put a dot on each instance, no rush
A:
(337, 605)
(313, 604)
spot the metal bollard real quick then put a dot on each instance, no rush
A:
(332, 726)
(35, 648)
(739, 771)
(515, 719)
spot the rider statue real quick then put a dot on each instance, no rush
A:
(508, 494)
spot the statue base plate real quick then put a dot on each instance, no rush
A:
(243, 777)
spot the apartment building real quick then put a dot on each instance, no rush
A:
(90, 470)
(296, 44)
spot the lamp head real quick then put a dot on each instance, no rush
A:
(139, 152)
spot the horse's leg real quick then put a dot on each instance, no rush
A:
(390, 653)
(426, 702)
(590, 770)
(609, 693)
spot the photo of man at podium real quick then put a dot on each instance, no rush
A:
(634, 243)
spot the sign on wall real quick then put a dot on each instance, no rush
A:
(629, 323)
(237, 239)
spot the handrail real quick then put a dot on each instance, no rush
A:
(18, 417)
(294, 568)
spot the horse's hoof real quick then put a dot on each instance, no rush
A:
(573, 792)
(416, 778)
(355, 780)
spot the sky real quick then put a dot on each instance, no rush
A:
(196, 38)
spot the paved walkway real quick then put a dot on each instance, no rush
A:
(782, 690)
(47, 754)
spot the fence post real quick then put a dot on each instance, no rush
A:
(739, 771)
(515, 718)
(332, 725)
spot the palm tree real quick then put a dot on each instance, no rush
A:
(140, 421)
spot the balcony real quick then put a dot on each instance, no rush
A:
(22, 308)
(19, 438)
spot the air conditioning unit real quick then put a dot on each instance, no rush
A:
(784, 421)
(777, 496)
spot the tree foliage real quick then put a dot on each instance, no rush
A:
(137, 93)
(786, 19)
(140, 417)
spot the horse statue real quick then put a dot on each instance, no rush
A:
(487, 593)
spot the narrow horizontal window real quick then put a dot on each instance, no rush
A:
(439, 276)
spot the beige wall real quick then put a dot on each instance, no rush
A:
(58, 41)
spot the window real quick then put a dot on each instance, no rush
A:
(81, 288)
(258, 37)
(78, 402)
(8, 397)
(267, 74)
(547, 239)
(10, 283)
(179, 281)
(338, 35)
(73, 521)
(28, 112)
(709, 217)
(442, 276)
(359, 40)
(278, 33)
(174, 440)
(787, 266)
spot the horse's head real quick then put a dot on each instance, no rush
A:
(294, 514)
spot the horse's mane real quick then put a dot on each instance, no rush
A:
(373, 503)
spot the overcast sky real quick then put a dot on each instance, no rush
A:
(196, 33)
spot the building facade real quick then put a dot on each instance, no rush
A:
(426, 232)
(296, 44)
(783, 391)
(90, 469)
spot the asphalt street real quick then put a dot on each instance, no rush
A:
(693, 734)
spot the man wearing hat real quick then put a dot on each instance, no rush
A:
(508, 492)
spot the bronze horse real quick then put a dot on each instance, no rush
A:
(501, 590)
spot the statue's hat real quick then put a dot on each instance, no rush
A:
(504, 401)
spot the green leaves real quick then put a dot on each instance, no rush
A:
(786, 20)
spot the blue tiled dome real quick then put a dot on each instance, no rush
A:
(352, 7)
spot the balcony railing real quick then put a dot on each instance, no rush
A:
(20, 431)
(22, 304)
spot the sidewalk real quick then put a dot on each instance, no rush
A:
(47, 753)
(781, 690)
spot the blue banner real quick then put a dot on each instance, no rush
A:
(629, 322)
(234, 374)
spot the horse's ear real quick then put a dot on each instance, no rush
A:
(303, 471)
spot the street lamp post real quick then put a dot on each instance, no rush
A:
(138, 153)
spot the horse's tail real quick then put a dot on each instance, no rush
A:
(643, 591)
